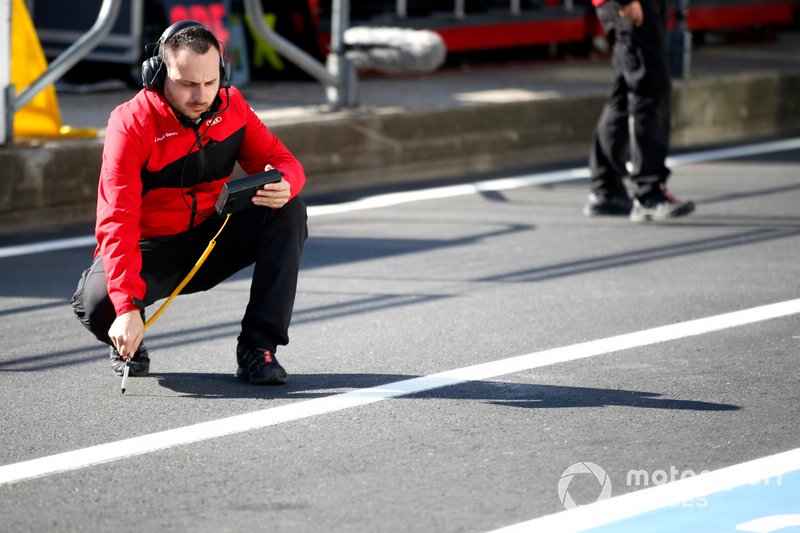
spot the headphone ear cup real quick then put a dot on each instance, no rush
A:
(224, 73)
(153, 73)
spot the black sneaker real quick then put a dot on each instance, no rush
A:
(259, 365)
(607, 206)
(661, 207)
(140, 362)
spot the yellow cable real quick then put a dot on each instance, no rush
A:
(189, 276)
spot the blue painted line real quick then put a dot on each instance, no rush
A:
(727, 510)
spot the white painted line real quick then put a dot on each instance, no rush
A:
(47, 246)
(767, 524)
(641, 501)
(516, 182)
(451, 191)
(542, 178)
(735, 151)
(113, 451)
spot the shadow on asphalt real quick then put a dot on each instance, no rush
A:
(643, 255)
(516, 395)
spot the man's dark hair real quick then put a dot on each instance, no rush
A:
(197, 38)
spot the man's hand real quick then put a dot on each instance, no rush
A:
(273, 195)
(633, 11)
(127, 332)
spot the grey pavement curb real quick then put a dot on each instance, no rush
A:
(55, 182)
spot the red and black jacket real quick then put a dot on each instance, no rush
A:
(156, 181)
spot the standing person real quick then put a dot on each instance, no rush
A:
(636, 116)
(167, 153)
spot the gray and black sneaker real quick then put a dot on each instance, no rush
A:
(140, 362)
(662, 206)
(259, 365)
(597, 206)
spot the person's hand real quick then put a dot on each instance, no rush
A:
(633, 12)
(127, 332)
(273, 195)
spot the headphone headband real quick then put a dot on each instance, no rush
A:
(153, 71)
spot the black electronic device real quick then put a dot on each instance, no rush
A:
(236, 194)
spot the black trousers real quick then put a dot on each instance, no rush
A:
(271, 239)
(636, 116)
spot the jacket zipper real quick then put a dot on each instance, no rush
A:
(193, 196)
(201, 159)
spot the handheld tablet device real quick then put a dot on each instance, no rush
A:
(236, 194)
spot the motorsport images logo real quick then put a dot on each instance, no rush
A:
(583, 468)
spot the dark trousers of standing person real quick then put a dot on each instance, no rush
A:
(271, 239)
(636, 115)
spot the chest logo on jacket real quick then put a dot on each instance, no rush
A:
(169, 134)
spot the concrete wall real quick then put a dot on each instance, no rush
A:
(55, 182)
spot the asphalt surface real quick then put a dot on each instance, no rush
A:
(409, 290)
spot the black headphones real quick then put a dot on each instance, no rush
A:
(153, 71)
